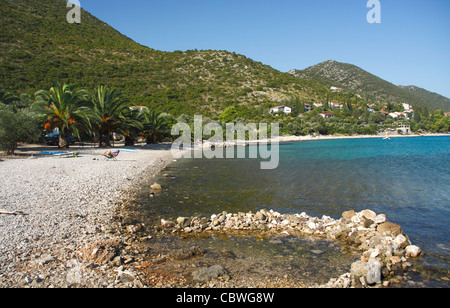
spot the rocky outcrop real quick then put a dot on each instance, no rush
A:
(383, 247)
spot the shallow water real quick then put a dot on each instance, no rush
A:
(408, 179)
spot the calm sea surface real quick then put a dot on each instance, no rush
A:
(408, 179)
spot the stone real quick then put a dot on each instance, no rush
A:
(46, 260)
(413, 251)
(380, 219)
(128, 220)
(208, 273)
(156, 186)
(167, 224)
(401, 241)
(374, 272)
(369, 214)
(317, 252)
(368, 223)
(359, 269)
(390, 227)
(183, 222)
(349, 214)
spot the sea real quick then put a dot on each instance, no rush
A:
(407, 179)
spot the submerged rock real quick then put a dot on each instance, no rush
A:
(156, 186)
(207, 273)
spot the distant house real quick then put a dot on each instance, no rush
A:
(335, 105)
(318, 105)
(407, 106)
(308, 107)
(404, 129)
(327, 115)
(287, 110)
(336, 89)
(397, 115)
(447, 114)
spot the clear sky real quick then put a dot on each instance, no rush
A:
(411, 46)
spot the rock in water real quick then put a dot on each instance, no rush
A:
(390, 227)
(167, 224)
(208, 273)
(156, 186)
(413, 251)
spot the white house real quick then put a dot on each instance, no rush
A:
(327, 115)
(335, 105)
(336, 89)
(396, 115)
(287, 110)
(406, 106)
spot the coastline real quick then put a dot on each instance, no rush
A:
(333, 137)
(68, 205)
(78, 229)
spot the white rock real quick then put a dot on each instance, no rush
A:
(369, 214)
(379, 219)
(356, 219)
(413, 251)
(374, 272)
(312, 225)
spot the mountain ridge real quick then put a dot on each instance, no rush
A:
(353, 78)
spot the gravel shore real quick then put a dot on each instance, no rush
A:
(67, 203)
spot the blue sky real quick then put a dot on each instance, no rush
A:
(411, 46)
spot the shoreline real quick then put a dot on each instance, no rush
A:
(337, 137)
(281, 139)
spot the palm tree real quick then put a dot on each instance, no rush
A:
(130, 126)
(64, 107)
(155, 126)
(6, 97)
(109, 107)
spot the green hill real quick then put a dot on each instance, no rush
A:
(355, 79)
(37, 44)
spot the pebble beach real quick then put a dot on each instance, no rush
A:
(63, 205)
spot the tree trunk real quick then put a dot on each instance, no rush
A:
(105, 141)
(63, 141)
(129, 141)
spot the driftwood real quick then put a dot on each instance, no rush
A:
(16, 213)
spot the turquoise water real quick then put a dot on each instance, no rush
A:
(408, 179)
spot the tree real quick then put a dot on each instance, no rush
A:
(15, 127)
(64, 107)
(130, 125)
(155, 126)
(108, 109)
